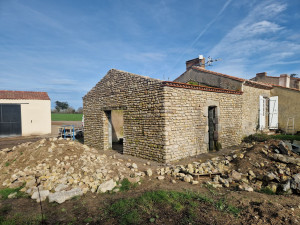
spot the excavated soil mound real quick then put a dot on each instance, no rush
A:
(57, 165)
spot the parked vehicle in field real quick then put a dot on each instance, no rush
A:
(69, 131)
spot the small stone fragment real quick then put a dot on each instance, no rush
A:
(149, 172)
(160, 177)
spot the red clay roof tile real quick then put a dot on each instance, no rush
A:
(28, 95)
(200, 87)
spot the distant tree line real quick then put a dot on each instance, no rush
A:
(64, 107)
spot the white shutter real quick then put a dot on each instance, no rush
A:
(262, 115)
(273, 112)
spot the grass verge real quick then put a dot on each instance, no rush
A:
(7, 191)
(21, 219)
(65, 117)
(126, 185)
(147, 207)
(264, 137)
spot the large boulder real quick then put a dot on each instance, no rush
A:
(286, 159)
(283, 147)
(295, 183)
(40, 195)
(62, 196)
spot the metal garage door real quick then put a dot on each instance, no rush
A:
(10, 119)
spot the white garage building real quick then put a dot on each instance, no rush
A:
(24, 113)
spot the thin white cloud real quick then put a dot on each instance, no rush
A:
(263, 27)
(211, 23)
(258, 37)
(274, 8)
(202, 32)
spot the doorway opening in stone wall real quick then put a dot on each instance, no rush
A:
(117, 130)
(212, 128)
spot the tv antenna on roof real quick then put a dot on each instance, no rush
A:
(211, 60)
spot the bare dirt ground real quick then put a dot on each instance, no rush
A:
(91, 208)
(7, 142)
(256, 208)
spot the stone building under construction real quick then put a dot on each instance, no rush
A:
(165, 121)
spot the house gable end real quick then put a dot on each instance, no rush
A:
(118, 82)
(210, 78)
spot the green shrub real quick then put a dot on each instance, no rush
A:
(7, 191)
(261, 137)
(126, 185)
(267, 190)
(193, 82)
(286, 137)
(256, 137)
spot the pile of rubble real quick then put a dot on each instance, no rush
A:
(60, 169)
(273, 166)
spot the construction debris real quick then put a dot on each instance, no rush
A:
(61, 169)
(269, 166)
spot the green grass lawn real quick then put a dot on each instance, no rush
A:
(65, 117)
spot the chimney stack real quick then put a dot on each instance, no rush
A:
(261, 75)
(200, 61)
(284, 80)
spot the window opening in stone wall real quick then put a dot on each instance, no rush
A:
(212, 128)
(117, 132)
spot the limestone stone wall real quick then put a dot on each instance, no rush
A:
(250, 112)
(163, 122)
(186, 119)
(141, 100)
(288, 106)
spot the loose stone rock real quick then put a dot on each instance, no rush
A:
(106, 186)
(12, 195)
(160, 177)
(134, 166)
(41, 195)
(62, 196)
(149, 172)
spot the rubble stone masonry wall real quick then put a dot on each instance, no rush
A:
(186, 119)
(141, 99)
(161, 123)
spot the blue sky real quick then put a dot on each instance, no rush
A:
(65, 47)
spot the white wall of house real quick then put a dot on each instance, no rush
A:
(35, 115)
